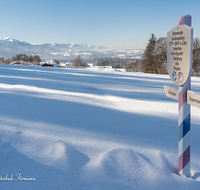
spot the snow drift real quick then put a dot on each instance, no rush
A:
(91, 129)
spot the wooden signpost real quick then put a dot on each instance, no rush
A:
(179, 66)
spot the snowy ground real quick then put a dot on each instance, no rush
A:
(91, 129)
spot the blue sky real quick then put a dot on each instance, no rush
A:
(110, 23)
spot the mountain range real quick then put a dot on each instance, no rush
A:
(65, 51)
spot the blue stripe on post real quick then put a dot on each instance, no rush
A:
(184, 127)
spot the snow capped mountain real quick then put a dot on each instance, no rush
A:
(10, 41)
(65, 51)
(7, 41)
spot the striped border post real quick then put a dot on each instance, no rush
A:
(184, 120)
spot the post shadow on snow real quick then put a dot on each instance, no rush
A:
(196, 175)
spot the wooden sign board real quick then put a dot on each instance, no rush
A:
(179, 54)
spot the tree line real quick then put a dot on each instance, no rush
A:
(114, 62)
(155, 56)
(154, 59)
(22, 59)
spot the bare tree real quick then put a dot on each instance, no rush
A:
(100, 63)
(36, 59)
(133, 67)
(56, 61)
(7, 61)
(79, 63)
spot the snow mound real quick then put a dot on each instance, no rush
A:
(61, 156)
(129, 169)
(126, 163)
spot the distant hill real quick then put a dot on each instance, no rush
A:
(66, 51)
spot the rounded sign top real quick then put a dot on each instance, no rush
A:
(179, 54)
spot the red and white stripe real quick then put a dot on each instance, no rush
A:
(184, 131)
(184, 120)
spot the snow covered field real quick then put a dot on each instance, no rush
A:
(88, 129)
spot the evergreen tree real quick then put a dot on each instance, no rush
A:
(160, 53)
(1, 60)
(148, 62)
